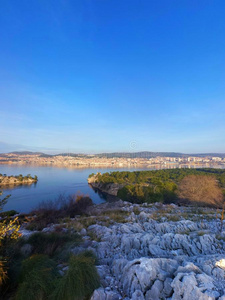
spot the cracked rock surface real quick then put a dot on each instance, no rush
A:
(160, 252)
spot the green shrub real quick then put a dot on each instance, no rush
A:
(51, 243)
(80, 280)
(8, 213)
(90, 254)
(136, 211)
(38, 278)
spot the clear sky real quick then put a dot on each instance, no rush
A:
(112, 75)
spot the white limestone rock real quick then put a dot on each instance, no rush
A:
(102, 294)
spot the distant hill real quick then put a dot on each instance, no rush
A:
(148, 154)
(70, 154)
(140, 154)
(26, 153)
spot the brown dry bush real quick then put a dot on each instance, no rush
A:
(53, 211)
(200, 190)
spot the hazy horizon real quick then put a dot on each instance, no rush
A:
(112, 76)
(63, 151)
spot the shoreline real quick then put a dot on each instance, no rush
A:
(155, 166)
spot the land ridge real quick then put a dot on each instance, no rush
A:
(130, 154)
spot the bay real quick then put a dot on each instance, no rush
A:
(53, 182)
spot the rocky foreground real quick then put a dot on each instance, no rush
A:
(154, 252)
(153, 256)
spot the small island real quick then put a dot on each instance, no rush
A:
(17, 180)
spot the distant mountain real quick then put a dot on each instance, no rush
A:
(148, 154)
(70, 154)
(141, 154)
(27, 153)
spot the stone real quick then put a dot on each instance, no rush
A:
(137, 295)
(99, 294)
(83, 232)
(155, 292)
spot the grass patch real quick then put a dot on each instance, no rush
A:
(94, 237)
(118, 216)
(51, 243)
(80, 280)
(136, 211)
(38, 278)
(187, 232)
(173, 218)
(220, 238)
(87, 221)
(201, 233)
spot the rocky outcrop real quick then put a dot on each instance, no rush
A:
(107, 188)
(146, 259)
(159, 252)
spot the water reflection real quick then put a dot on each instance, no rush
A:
(19, 186)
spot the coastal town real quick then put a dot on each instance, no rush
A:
(84, 161)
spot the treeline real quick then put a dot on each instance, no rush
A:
(156, 186)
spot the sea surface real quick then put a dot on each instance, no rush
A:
(52, 182)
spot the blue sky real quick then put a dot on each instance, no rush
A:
(121, 75)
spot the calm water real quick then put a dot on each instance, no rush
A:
(51, 183)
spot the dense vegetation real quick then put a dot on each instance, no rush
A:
(152, 186)
(43, 266)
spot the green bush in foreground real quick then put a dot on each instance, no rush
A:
(38, 278)
(80, 280)
(51, 243)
